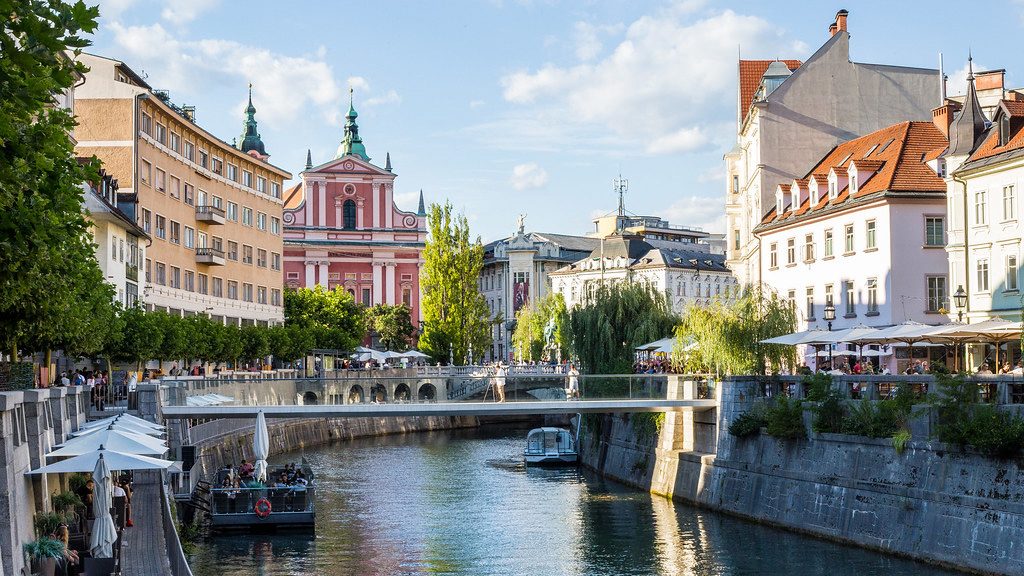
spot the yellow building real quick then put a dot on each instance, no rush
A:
(213, 210)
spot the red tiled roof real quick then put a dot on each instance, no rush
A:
(751, 72)
(900, 166)
(293, 197)
(990, 145)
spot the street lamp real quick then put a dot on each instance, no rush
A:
(960, 300)
(830, 315)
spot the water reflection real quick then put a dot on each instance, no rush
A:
(462, 503)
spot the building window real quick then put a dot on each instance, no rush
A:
(870, 233)
(204, 281)
(261, 220)
(982, 268)
(791, 251)
(232, 250)
(275, 189)
(366, 297)
(190, 194)
(828, 295)
(407, 297)
(275, 225)
(348, 216)
(1011, 272)
(233, 289)
(161, 133)
(261, 184)
(217, 165)
(204, 158)
(936, 293)
(161, 227)
(275, 297)
(261, 258)
(232, 211)
(261, 295)
(146, 173)
(190, 281)
(1009, 203)
(175, 142)
(147, 124)
(773, 255)
(190, 237)
(218, 202)
(736, 239)
(147, 224)
(161, 274)
(980, 207)
(175, 277)
(850, 304)
(735, 183)
(190, 152)
(161, 180)
(217, 243)
(810, 302)
(934, 231)
(149, 270)
(175, 232)
(790, 297)
(275, 261)
(218, 288)
(833, 188)
(246, 254)
(175, 187)
(849, 238)
(809, 248)
(246, 178)
(232, 172)
(872, 295)
(246, 216)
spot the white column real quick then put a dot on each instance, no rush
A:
(337, 213)
(359, 213)
(322, 203)
(375, 193)
(310, 273)
(310, 190)
(388, 206)
(389, 283)
(322, 276)
(378, 281)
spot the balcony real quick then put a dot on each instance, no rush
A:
(210, 214)
(211, 256)
(131, 272)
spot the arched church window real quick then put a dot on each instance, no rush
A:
(348, 216)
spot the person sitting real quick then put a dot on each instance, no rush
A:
(1018, 369)
(984, 370)
(245, 470)
(63, 535)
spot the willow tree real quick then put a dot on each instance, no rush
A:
(610, 323)
(455, 313)
(537, 322)
(725, 335)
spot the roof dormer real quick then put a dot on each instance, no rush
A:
(814, 185)
(859, 171)
(837, 180)
(798, 193)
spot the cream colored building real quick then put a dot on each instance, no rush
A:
(214, 212)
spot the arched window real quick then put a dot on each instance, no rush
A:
(348, 216)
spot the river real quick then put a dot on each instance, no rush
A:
(462, 503)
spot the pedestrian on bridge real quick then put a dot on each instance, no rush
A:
(499, 383)
(572, 389)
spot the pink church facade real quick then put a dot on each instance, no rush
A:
(343, 229)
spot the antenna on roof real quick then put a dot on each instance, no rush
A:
(621, 185)
(942, 83)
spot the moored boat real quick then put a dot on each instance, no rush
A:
(275, 505)
(550, 446)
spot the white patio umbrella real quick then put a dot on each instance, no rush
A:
(112, 439)
(994, 331)
(414, 354)
(825, 353)
(104, 533)
(122, 426)
(115, 461)
(261, 447)
(804, 337)
(127, 419)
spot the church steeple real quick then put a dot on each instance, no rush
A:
(969, 124)
(387, 163)
(351, 142)
(309, 159)
(250, 142)
(422, 210)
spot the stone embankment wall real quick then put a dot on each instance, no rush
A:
(932, 502)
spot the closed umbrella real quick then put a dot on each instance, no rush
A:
(112, 439)
(115, 461)
(104, 533)
(261, 446)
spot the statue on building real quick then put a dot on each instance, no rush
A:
(521, 222)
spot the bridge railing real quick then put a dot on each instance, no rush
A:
(1005, 389)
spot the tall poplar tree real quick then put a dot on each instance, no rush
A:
(455, 313)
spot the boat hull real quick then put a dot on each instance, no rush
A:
(551, 459)
(251, 522)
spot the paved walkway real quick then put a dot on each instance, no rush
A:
(143, 550)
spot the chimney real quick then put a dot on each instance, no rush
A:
(989, 80)
(942, 117)
(832, 30)
(841, 20)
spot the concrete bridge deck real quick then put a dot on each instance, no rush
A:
(437, 409)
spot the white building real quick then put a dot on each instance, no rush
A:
(120, 242)
(790, 114)
(685, 275)
(863, 231)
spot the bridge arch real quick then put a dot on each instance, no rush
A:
(427, 392)
(403, 393)
(310, 399)
(379, 393)
(356, 395)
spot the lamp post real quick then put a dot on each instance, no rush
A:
(960, 300)
(830, 315)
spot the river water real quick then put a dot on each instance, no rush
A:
(462, 503)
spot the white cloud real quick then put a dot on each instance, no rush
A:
(956, 82)
(191, 66)
(389, 97)
(714, 173)
(358, 83)
(588, 39)
(184, 11)
(707, 212)
(670, 76)
(528, 176)
(112, 9)
(474, 104)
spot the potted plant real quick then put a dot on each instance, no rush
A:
(45, 552)
(47, 523)
(65, 501)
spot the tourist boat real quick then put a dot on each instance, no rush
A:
(550, 446)
(263, 508)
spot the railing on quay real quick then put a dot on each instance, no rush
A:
(1005, 389)
(243, 500)
(175, 553)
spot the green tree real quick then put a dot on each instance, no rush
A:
(255, 343)
(138, 340)
(455, 314)
(393, 325)
(174, 344)
(532, 322)
(609, 324)
(332, 316)
(725, 336)
(48, 273)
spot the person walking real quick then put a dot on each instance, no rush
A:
(499, 383)
(572, 383)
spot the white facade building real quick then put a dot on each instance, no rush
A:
(120, 242)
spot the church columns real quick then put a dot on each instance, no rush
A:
(321, 203)
(322, 276)
(378, 282)
(388, 212)
(375, 193)
(359, 212)
(389, 283)
(310, 273)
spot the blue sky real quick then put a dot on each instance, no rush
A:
(521, 106)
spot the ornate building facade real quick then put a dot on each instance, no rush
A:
(343, 229)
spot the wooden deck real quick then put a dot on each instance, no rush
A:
(143, 548)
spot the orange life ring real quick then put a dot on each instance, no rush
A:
(262, 508)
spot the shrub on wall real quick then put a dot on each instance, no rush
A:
(785, 418)
(749, 423)
(966, 421)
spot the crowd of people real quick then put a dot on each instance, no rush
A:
(283, 483)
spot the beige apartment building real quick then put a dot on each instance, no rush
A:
(213, 210)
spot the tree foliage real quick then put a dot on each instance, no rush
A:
(455, 314)
(332, 317)
(532, 322)
(724, 336)
(611, 322)
(393, 325)
(52, 293)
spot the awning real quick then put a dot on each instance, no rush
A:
(114, 460)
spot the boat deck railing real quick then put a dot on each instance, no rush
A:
(243, 500)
